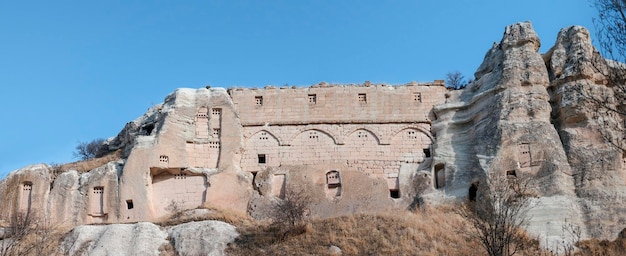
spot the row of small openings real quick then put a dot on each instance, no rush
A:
(214, 144)
(216, 132)
(164, 158)
(28, 186)
(98, 190)
(263, 136)
(214, 111)
(362, 98)
(180, 176)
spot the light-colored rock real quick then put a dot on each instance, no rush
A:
(588, 129)
(202, 238)
(116, 239)
(364, 148)
(501, 123)
(334, 250)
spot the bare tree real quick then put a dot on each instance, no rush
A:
(176, 208)
(611, 28)
(455, 80)
(611, 38)
(29, 234)
(293, 208)
(498, 214)
(88, 150)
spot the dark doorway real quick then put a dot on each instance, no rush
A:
(473, 190)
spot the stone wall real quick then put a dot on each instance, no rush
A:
(331, 104)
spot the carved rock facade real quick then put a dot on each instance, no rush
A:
(364, 148)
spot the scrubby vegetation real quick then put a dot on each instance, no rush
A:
(427, 232)
(89, 149)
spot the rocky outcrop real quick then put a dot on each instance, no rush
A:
(501, 123)
(194, 238)
(202, 238)
(116, 239)
(583, 110)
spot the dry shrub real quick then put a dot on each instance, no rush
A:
(87, 165)
(30, 234)
(214, 213)
(602, 247)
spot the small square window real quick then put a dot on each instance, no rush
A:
(417, 97)
(129, 204)
(216, 132)
(258, 100)
(511, 173)
(262, 159)
(312, 99)
(427, 152)
(394, 193)
(362, 98)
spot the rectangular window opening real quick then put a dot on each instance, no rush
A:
(362, 98)
(394, 193)
(258, 100)
(312, 99)
(129, 204)
(511, 174)
(427, 152)
(262, 159)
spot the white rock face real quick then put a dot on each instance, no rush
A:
(116, 239)
(202, 238)
(588, 130)
(501, 123)
(194, 238)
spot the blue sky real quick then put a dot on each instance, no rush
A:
(75, 71)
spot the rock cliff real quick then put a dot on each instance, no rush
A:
(356, 148)
(525, 115)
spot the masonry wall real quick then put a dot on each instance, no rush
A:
(329, 104)
(374, 129)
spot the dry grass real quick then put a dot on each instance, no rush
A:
(428, 232)
(225, 215)
(602, 247)
(434, 231)
(88, 165)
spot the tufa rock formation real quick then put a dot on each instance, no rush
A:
(360, 148)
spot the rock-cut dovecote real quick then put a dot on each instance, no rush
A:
(363, 148)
